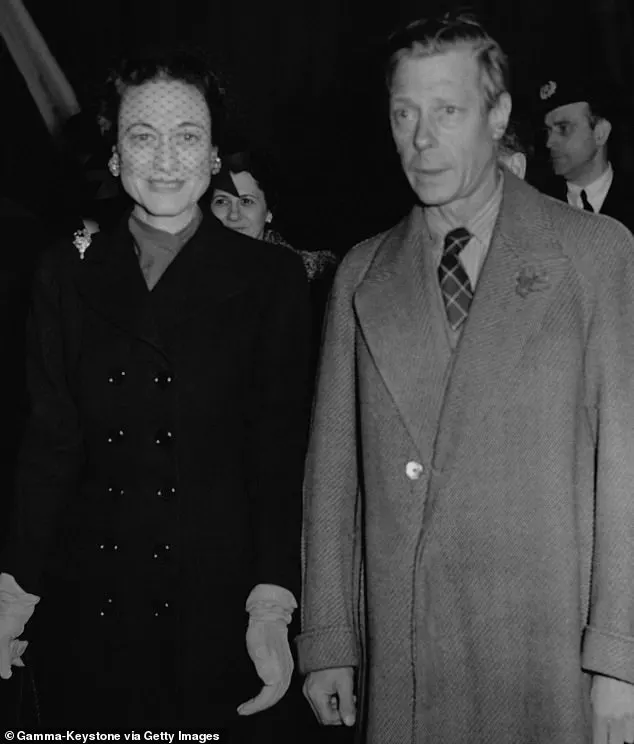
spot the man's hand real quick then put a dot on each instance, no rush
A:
(612, 711)
(330, 694)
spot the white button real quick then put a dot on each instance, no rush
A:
(414, 470)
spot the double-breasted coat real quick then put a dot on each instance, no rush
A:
(160, 477)
(469, 515)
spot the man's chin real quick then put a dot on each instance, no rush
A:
(433, 192)
(559, 168)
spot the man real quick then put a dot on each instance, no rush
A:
(469, 520)
(577, 115)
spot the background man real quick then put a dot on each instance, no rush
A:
(578, 117)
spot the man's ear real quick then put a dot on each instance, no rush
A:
(602, 131)
(499, 115)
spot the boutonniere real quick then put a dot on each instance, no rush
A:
(531, 279)
(81, 240)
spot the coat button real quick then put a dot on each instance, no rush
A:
(107, 607)
(115, 436)
(166, 493)
(163, 437)
(414, 470)
(115, 492)
(163, 380)
(162, 608)
(107, 546)
(162, 550)
(116, 377)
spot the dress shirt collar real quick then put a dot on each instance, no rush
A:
(595, 191)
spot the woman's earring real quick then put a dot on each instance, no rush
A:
(268, 218)
(216, 165)
(113, 164)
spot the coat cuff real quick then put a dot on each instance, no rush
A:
(609, 654)
(326, 648)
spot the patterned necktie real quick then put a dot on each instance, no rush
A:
(584, 200)
(454, 282)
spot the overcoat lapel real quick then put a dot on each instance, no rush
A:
(402, 324)
(110, 281)
(519, 281)
(208, 270)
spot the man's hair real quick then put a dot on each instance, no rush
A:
(429, 37)
(596, 114)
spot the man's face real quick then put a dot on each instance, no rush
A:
(165, 146)
(442, 130)
(571, 140)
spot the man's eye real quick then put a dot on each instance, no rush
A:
(401, 114)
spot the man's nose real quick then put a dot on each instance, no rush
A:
(425, 135)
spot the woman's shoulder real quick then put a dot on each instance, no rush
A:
(315, 262)
(250, 250)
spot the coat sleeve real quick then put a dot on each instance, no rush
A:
(279, 426)
(51, 453)
(331, 524)
(608, 645)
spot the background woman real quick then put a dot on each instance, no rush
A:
(245, 197)
(159, 483)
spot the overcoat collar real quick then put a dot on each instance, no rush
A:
(400, 316)
(207, 270)
(402, 324)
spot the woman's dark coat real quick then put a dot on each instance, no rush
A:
(160, 477)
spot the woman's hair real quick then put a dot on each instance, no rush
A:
(259, 163)
(184, 65)
(429, 37)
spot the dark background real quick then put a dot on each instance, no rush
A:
(308, 80)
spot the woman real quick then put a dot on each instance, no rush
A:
(159, 485)
(244, 197)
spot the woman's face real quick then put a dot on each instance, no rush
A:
(246, 213)
(165, 150)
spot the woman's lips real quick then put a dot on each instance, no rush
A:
(166, 186)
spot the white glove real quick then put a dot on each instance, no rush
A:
(270, 608)
(16, 607)
(612, 711)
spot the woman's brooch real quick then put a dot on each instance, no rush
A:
(81, 240)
